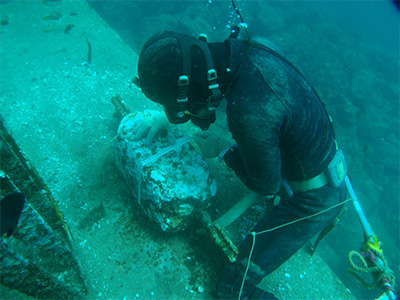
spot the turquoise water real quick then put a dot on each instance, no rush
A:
(349, 51)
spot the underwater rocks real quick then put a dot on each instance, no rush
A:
(169, 182)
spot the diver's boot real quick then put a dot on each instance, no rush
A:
(230, 285)
(260, 294)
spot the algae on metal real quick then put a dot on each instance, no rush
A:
(37, 259)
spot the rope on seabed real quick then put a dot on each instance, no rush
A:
(383, 271)
(254, 234)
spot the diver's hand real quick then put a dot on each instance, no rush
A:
(149, 127)
(211, 144)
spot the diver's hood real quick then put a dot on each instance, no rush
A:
(169, 70)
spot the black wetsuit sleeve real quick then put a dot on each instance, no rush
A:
(268, 184)
(256, 122)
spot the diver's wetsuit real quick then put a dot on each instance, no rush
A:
(282, 131)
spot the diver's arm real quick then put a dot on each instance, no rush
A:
(241, 206)
(238, 209)
(257, 164)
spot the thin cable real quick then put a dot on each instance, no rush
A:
(254, 234)
(241, 18)
(248, 264)
(304, 218)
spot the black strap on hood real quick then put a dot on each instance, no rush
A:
(186, 43)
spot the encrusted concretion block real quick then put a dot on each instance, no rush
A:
(168, 181)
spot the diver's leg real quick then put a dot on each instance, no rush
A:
(273, 248)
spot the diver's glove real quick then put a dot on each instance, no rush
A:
(211, 144)
(149, 127)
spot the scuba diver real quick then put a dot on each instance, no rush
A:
(284, 141)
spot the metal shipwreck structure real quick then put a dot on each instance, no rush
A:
(37, 259)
